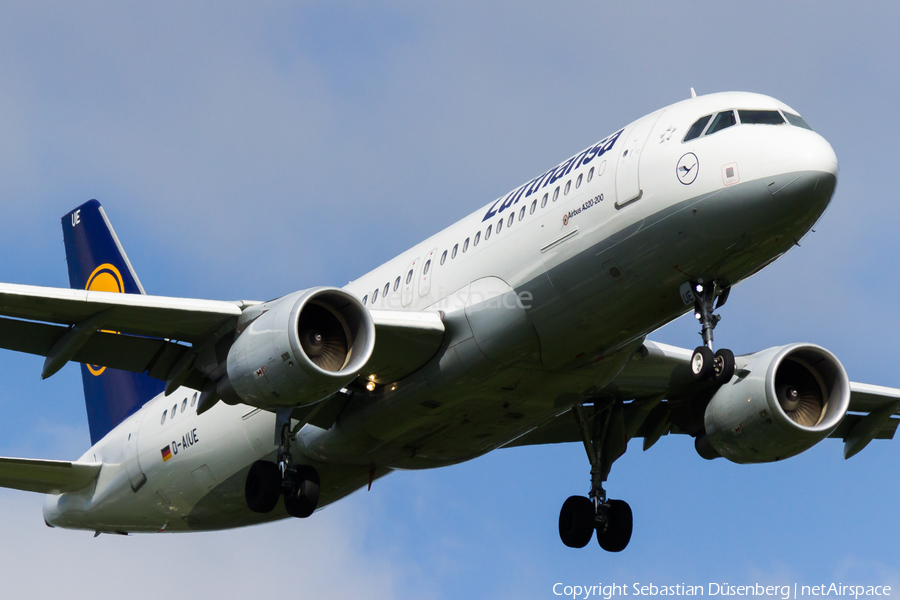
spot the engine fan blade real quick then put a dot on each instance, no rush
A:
(322, 338)
(799, 394)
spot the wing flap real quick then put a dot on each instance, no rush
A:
(46, 476)
(404, 342)
(125, 352)
(182, 319)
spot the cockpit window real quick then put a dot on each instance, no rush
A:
(761, 117)
(697, 128)
(722, 120)
(797, 120)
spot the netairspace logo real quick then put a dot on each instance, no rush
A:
(784, 592)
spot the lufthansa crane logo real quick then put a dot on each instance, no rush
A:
(687, 168)
(105, 278)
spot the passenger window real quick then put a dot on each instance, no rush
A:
(568, 185)
(578, 182)
(194, 399)
(455, 248)
(374, 296)
(590, 174)
(509, 221)
(722, 121)
(366, 297)
(697, 128)
(408, 279)
(397, 281)
(487, 233)
(427, 266)
(387, 288)
(174, 410)
(466, 245)
(477, 239)
(163, 418)
(183, 404)
(556, 193)
(443, 259)
(499, 225)
(760, 117)
(797, 120)
(533, 206)
(522, 213)
(544, 201)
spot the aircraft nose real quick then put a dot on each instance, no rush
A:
(796, 150)
(800, 171)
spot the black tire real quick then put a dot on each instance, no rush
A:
(301, 501)
(616, 534)
(576, 521)
(263, 486)
(723, 366)
(702, 363)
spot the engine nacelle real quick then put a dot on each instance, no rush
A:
(781, 402)
(298, 349)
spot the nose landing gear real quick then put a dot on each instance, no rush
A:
(266, 481)
(580, 516)
(705, 364)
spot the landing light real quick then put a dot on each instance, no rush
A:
(697, 316)
(370, 386)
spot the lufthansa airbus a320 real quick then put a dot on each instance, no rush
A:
(524, 323)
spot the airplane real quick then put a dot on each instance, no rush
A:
(525, 323)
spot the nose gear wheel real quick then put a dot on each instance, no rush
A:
(705, 364)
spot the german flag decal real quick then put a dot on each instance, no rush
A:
(166, 453)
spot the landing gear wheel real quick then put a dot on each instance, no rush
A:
(576, 521)
(702, 363)
(723, 366)
(263, 486)
(302, 498)
(616, 533)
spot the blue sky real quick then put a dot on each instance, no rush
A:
(247, 152)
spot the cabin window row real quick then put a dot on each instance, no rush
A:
(174, 410)
(491, 230)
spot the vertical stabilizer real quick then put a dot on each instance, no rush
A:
(98, 262)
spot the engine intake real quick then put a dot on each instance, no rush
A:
(298, 349)
(783, 401)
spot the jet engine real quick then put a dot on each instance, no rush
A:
(298, 349)
(780, 402)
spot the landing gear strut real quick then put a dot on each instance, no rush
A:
(705, 364)
(266, 481)
(580, 517)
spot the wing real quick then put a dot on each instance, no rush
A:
(46, 476)
(171, 339)
(659, 371)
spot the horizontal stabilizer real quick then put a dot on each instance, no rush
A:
(46, 476)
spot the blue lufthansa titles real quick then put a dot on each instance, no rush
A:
(553, 175)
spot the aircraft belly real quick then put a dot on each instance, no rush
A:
(446, 417)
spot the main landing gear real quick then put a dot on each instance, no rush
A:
(705, 364)
(298, 484)
(581, 517)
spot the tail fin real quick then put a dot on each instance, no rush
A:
(97, 261)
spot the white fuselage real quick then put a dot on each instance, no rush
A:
(543, 301)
